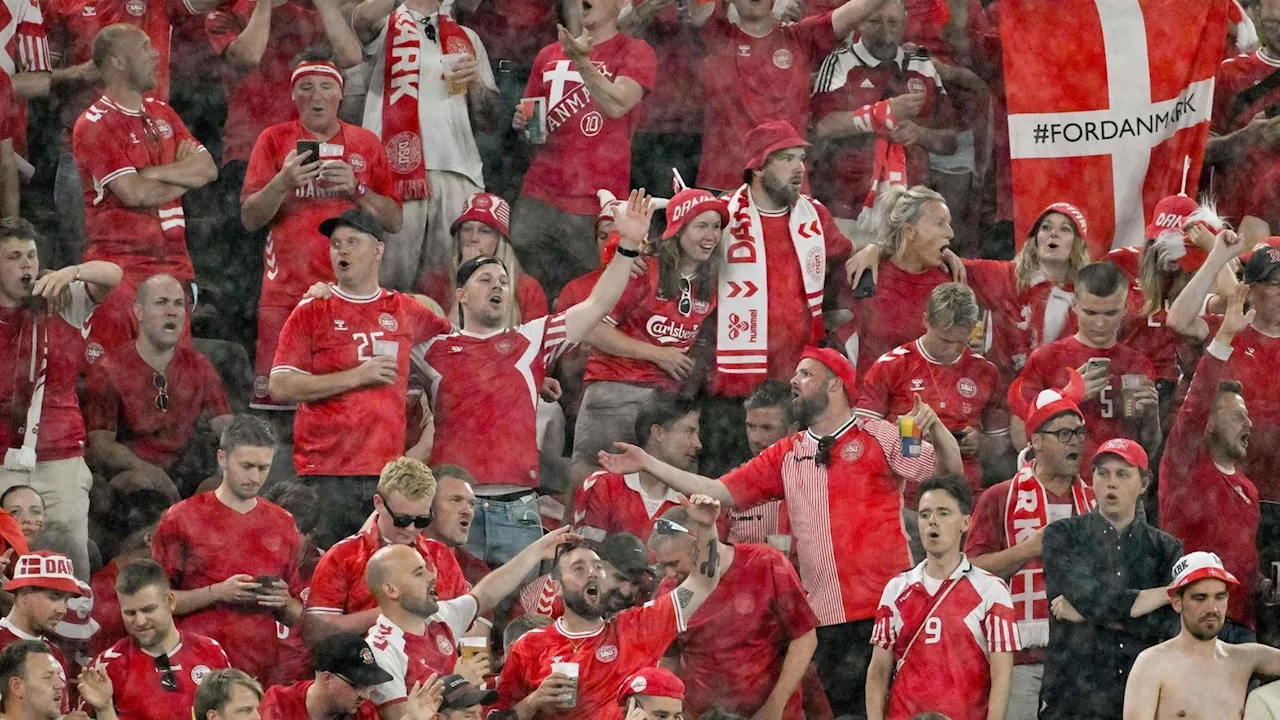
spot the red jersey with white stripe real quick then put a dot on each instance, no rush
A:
(22, 35)
(289, 702)
(964, 393)
(756, 524)
(644, 314)
(627, 642)
(542, 597)
(484, 391)
(893, 316)
(955, 624)
(608, 503)
(846, 516)
(411, 658)
(1019, 320)
(328, 335)
(135, 681)
(1104, 414)
(110, 142)
(10, 633)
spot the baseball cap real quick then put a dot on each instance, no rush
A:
(1197, 566)
(469, 268)
(625, 552)
(357, 218)
(1169, 214)
(768, 138)
(460, 694)
(487, 208)
(652, 682)
(1125, 449)
(348, 655)
(1072, 212)
(689, 204)
(838, 364)
(48, 571)
(1264, 258)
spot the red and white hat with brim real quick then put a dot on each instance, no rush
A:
(1048, 403)
(47, 570)
(1197, 566)
(486, 208)
(688, 204)
(651, 682)
(609, 206)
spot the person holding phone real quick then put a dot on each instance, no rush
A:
(652, 694)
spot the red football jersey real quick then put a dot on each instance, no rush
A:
(1103, 415)
(965, 393)
(542, 597)
(627, 642)
(289, 702)
(329, 335)
(735, 644)
(756, 524)
(260, 97)
(643, 314)
(608, 503)
(120, 397)
(1233, 183)
(191, 544)
(846, 515)
(10, 633)
(484, 391)
(1148, 334)
(893, 316)
(416, 658)
(747, 81)
(1019, 321)
(948, 637)
(338, 586)
(61, 434)
(109, 142)
(585, 150)
(135, 680)
(106, 609)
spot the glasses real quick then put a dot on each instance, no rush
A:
(686, 297)
(1066, 435)
(666, 526)
(169, 681)
(404, 521)
(162, 392)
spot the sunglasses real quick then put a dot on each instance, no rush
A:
(404, 521)
(667, 526)
(169, 681)
(1066, 435)
(162, 392)
(686, 297)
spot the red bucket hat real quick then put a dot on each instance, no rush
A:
(768, 138)
(487, 208)
(689, 204)
(47, 570)
(1196, 566)
(652, 682)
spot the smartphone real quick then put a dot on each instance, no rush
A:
(267, 580)
(309, 146)
(866, 286)
(1095, 363)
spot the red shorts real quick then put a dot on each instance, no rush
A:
(270, 323)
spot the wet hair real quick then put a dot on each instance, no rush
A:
(663, 409)
(214, 692)
(108, 39)
(955, 486)
(772, 393)
(13, 661)
(952, 305)
(302, 502)
(136, 513)
(409, 477)
(718, 714)
(564, 550)
(16, 228)
(246, 430)
(900, 207)
(662, 534)
(1102, 279)
(141, 574)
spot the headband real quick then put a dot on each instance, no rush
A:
(322, 69)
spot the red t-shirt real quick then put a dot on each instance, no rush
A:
(338, 586)
(1020, 320)
(1148, 334)
(289, 702)
(192, 544)
(484, 393)
(1233, 183)
(135, 681)
(846, 516)
(747, 81)
(789, 327)
(529, 294)
(643, 314)
(893, 316)
(106, 609)
(9, 633)
(608, 503)
(296, 255)
(627, 642)
(965, 393)
(110, 142)
(733, 650)
(260, 97)
(120, 397)
(585, 150)
(329, 335)
(1104, 414)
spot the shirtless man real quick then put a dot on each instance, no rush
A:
(1196, 676)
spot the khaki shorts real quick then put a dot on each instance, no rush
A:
(607, 415)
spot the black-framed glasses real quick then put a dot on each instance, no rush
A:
(404, 521)
(686, 297)
(162, 392)
(1066, 435)
(169, 679)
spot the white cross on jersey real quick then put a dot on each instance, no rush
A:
(563, 72)
(1028, 595)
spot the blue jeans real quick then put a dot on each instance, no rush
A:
(501, 529)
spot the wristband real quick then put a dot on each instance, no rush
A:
(362, 190)
(628, 252)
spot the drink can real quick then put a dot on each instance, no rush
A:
(534, 110)
(909, 436)
(569, 669)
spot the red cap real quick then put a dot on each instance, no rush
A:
(689, 204)
(608, 206)
(1124, 448)
(1196, 566)
(768, 138)
(487, 208)
(1048, 402)
(48, 570)
(1267, 242)
(838, 364)
(1169, 214)
(652, 682)
(1072, 212)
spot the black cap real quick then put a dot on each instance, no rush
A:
(357, 218)
(625, 552)
(348, 655)
(469, 268)
(1261, 263)
(460, 694)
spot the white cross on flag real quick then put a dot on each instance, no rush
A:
(1107, 99)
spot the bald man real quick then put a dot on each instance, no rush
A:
(143, 402)
(417, 636)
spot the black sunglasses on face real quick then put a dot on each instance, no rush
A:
(169, 681)
(404, 521)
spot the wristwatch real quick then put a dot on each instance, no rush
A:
(361, 190)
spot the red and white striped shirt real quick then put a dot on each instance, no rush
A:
(756, 524)
(846, 516)
(949, 634)
(22, 35)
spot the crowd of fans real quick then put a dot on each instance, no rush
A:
(406, 394)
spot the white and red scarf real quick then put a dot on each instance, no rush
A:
(890, 164)
(1027, 512)
(742, 330)
(30, 387)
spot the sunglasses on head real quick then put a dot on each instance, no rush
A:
(404, 521)
(169, 679)
(667, 526)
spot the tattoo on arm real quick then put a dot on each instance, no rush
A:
(684, 596)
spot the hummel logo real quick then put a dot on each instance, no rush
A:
(340, 325)
(866, 83)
